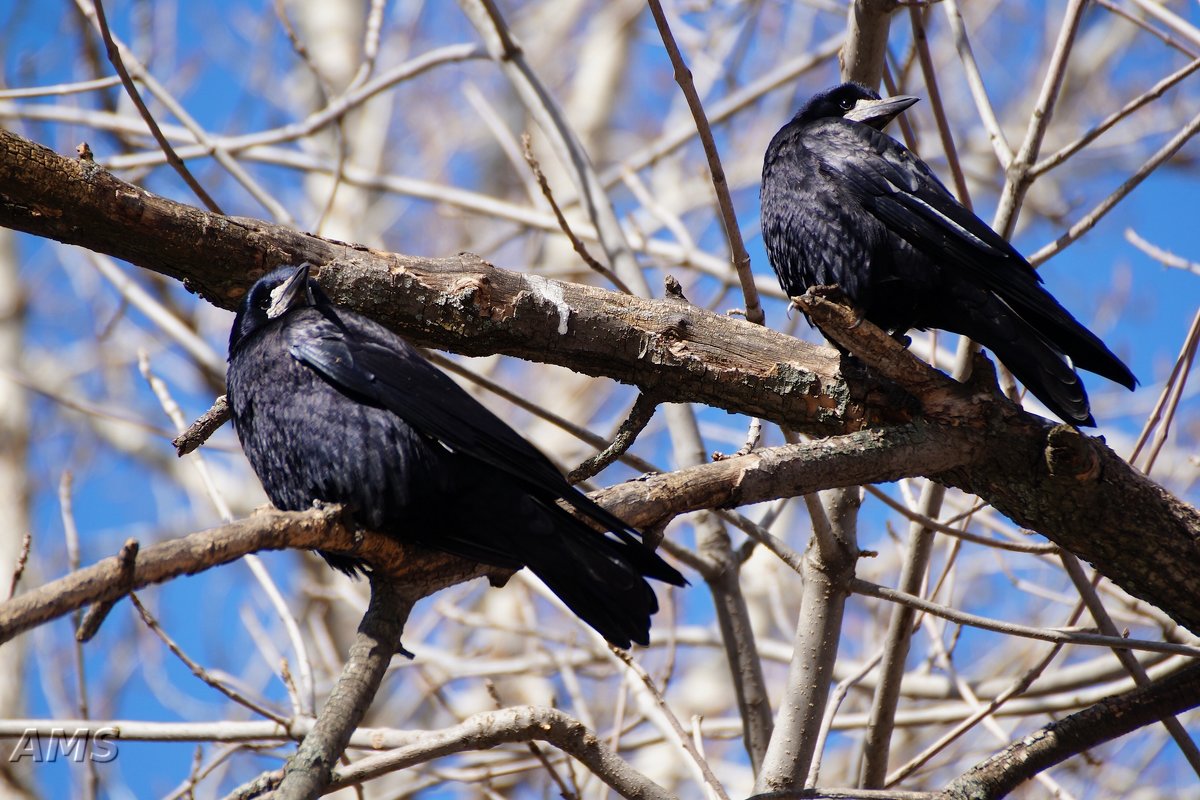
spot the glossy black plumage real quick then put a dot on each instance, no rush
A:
(331, 406)
(845, 204)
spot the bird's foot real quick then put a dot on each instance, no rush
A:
(902, 338)
(325, 505)
(827, 291)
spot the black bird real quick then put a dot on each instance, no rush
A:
(845, 204)
(332, 406)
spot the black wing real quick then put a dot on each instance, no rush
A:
(901, 190)
(903, 193)
(368, 360)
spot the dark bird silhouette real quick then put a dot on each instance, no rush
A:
(845, 204)
(332, 406)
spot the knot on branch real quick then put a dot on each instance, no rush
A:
(1070, 454)
(473, 291)
(676, 327)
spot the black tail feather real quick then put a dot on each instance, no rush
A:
(1085, 349)
(601, 579)
(1037, 361)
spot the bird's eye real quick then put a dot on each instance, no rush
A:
(846, 103)
(264, 301)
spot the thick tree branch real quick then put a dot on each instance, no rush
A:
(109, 580)
(862, 57)
(1070, 487)
(873, 456)
(1070, 736)
(461, 303)
(768, 474)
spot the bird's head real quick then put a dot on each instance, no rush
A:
(271, 297)
(856, 103)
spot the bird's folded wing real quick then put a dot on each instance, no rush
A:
(381, 368)
(907, 197)
(400, 380)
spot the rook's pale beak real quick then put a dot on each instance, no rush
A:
(878, 113)
(290, 293)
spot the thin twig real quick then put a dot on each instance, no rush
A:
(305, 701)
(199, 671)
(733, 235)
(71, 533)
(1054, 743)
(338, 107)
(95, 616)
(1143, 24)
(560, 422)
(983, 103)
(836, 697)
(163, 318)
(22, 561)
(912, 601)
(323, 91)
(204, 427)
(916, 18)
(719, 566)
(60, 89)
(1018, 179)
(942, 527)
(665, 712)
(1089, 220)
(982, 712)
(114, 57)
(1173, 392)
(783, 75)
(1095, 606)
(637, 420)
(877, 743)
(370, 46)
(519, 724)
(498, 40)
(1153, 93)
(1170, 19)
(1164, 257)
(580, 248)
(564, 791)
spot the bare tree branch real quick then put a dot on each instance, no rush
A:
(1070, 736)
(310, 770)
(494, 728)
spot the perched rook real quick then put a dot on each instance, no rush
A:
(845, 204)
(332, 406)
